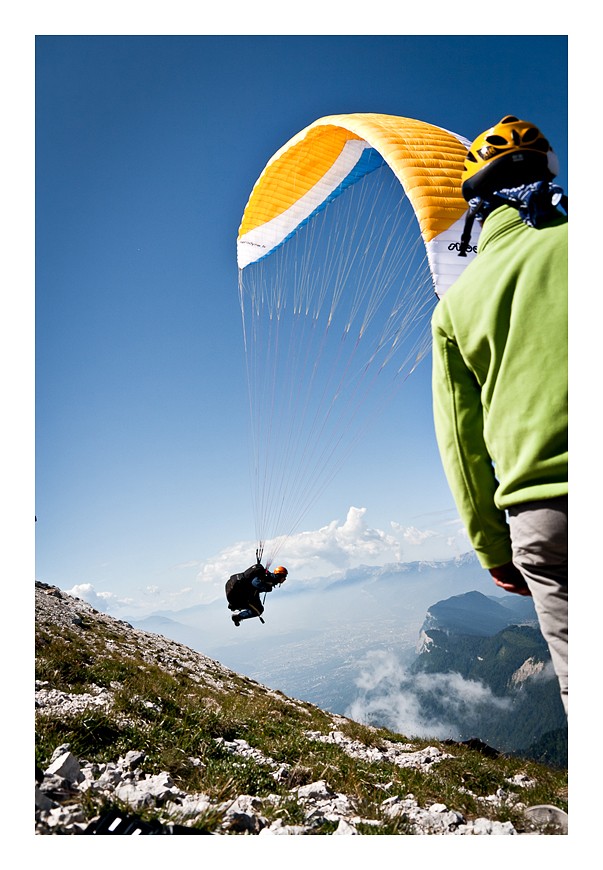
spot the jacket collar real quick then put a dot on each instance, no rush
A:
(498, 222)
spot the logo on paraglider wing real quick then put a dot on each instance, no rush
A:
(456, 246)
(254, 244)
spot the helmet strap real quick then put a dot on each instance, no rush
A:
(475, 207)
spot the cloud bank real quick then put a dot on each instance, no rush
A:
(419, 705)
(105, 602)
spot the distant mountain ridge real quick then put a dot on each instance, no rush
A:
(375, 573)
(477, 614)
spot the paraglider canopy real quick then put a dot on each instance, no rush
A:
(335, 152)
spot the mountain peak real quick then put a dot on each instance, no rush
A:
(474, 613)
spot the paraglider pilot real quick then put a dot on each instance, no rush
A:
(243, 590)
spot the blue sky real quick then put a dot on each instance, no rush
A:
(147, 148)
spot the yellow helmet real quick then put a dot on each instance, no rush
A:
(511, 153)
(281, 572)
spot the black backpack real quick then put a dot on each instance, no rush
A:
(238, 587)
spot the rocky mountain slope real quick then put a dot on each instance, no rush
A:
(139, 734)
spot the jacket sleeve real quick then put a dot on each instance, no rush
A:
(262, 584)
(458, 420)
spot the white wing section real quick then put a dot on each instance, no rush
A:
(257, 243)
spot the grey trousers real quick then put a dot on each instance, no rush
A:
(539, 541)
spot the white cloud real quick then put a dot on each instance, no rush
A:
(99, 600)
(547, 673)
(405, 703)
(411, 535)
(152, 598)
(333, 549)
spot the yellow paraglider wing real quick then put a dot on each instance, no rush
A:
(325, 158)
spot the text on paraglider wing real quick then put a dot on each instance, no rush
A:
(456, 246)
(253, 244)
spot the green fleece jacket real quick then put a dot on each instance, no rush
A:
(500, 377)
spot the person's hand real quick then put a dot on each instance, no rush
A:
(510, 578)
